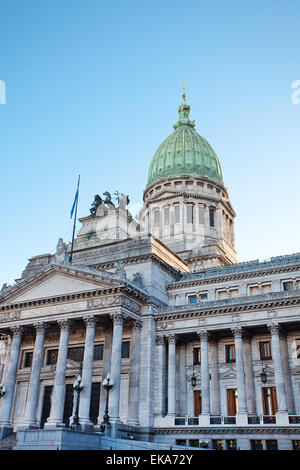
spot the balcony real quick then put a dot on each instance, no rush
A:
(231, 420)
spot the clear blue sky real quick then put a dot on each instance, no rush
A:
(93, 88)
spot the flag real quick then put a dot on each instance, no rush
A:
(75, 200)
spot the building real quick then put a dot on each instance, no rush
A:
(202, 351)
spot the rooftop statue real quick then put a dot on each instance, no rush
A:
(96, 204)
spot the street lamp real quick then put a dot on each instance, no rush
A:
(263, 375)
(107, 384)
(2, 390)
(77, 388)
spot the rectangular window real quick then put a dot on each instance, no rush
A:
(287, 286)
(98, 352)
(298, 348)
(211, 217)
(232, 401)
(203, 296)
(28, 355)
(254, 290)
(256, 444)
(192, 299)
(51, 357)
(166, 216)
(271, 444)
(230, 352)
(266, 288)
(197, 356)
(190, 214)
(156, 218)
(217, 444)
(269, 400)
(231, 444)
(180, 442)
(222, 295)
(197, 403)
(296, 445)
(125, 349)
(233, 293)
(177, 214)
(194, 443)
(76, 353)
(265, 350)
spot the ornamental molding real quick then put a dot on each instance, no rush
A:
(10, 316)
(232, 429)
(185, 194)
(231, 277)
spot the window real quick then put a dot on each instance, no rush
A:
(211, 217)
(287, 285)
(51, 357)
(296, 445)
(125, 349)
(194, 443)
(177, 214)
(253, 290)
(190, 214)
(98, 352)
(271, 444)
(266, 288)
(230, 352)
(217, 444)
(269, 400)
(298, 348)
(232, 401)
(166, 216)
(233, 293)
(297, 284)
(197, 403)
(76, 353)
(192, 299)
(265, 350)
(203, 296)
(256, 444)
(28, 355)
(231, 444)
(197, 356)
(180, 442)
(156, 218)
(222, 295)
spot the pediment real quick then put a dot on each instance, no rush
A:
(57, 282)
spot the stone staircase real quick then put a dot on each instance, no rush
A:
(8, 442)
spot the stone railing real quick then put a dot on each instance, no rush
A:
(208, 304)
(231, 420)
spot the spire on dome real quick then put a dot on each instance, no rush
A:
(184, 111)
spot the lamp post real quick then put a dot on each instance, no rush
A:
(107, 384)
(77, 388)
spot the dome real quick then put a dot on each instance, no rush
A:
(185, 153)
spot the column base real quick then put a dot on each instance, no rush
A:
(86, 426)
(25, 426)
(53, 425)
(241, 419)
(204, 420)
(282, 418)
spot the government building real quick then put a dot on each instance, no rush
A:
(148, 332)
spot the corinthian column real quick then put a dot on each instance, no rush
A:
(57, 406)
(133, 402)
(10, 383)
(240, 375)
(205, 389)
(116, 360)
(279, 376)
(87, 373)
(34, 383)
(172, 375)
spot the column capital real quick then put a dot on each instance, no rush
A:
(17, 331)
(40, 327)
(274, 328)
(160, 339)
(171, 338)
(137, 325)
(237, 331)
(117, 318)
(64, 324)
(89, 321)
(203, 334)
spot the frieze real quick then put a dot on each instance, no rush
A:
(10, 316)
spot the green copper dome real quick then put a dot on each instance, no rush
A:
(185, 153)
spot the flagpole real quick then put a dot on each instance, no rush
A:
(74, 225)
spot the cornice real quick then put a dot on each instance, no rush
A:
(184, 194)
(238, 304)
(232, 429)
(232, 277)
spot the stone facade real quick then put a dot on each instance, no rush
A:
(201, 351)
